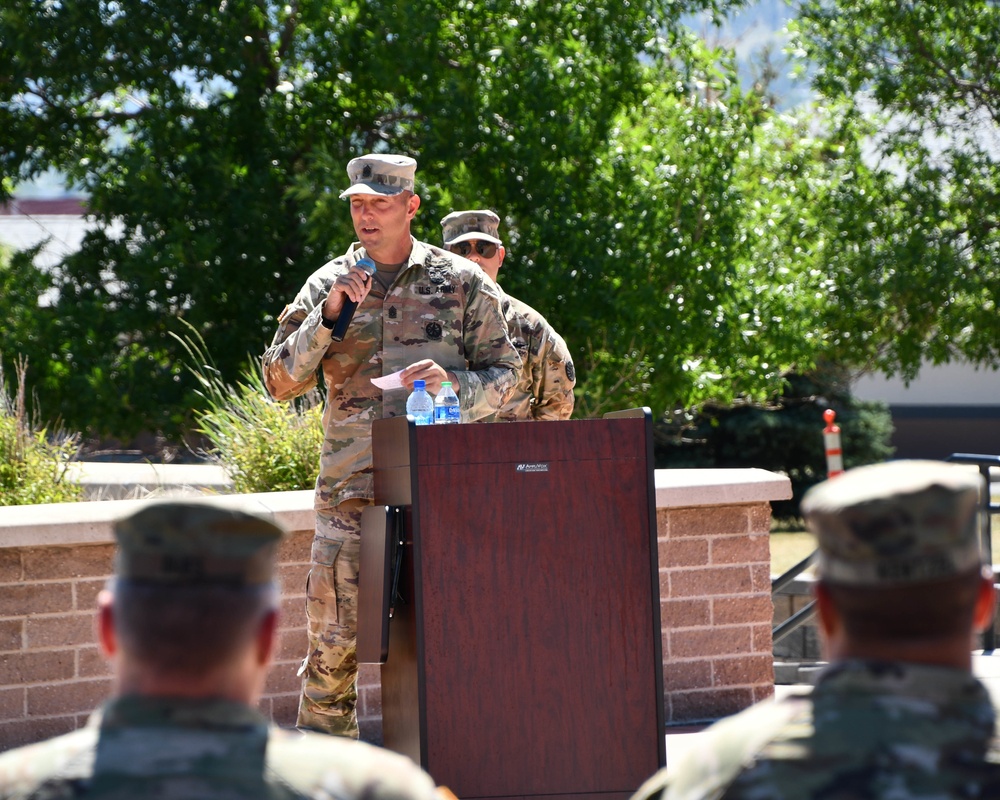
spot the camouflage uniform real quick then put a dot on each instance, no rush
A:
(867, 729)
(440, 307)
(871, 729)
(544, 390)
(192, 749)
(545, 384)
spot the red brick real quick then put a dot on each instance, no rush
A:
(743, 671)
(281, 679)
(709, 521)
(19, 734)
(67, 698)
(91, 663)
(710, 642)
(710, 581)
(292, 644)
(663, 523)
(11, 634)
(10, 565)
(739, 610)
(694, 613)
(764, 692)
(759, 515)
(292, 579)
(684, 553)
(293, 612)
(80, 561)
(741, 550)
(762, 641)
(711, 704)
(11, 704)
(60, 631)
(681, 675)
(297, 548)
(40, 598)
(36, 666)
(664, 579)
(282, 709)
(86, 592)
(761, 577)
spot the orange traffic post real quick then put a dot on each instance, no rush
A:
(831, 438)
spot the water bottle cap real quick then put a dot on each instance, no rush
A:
(446, 383)
(419, 384)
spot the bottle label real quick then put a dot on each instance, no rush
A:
(447, 415)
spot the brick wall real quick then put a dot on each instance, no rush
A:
(715, 609)
(52, 674)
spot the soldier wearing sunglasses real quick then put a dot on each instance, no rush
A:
(545, 385)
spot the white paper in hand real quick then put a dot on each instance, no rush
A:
(389, 381)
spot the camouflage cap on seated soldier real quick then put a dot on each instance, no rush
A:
(896, 523)
(196, 543)
(464, 226)
(379, 173)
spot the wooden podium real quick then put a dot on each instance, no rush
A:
(523, 657)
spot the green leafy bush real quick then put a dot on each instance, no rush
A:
(33, 462)
(264, 446)
(785, 436)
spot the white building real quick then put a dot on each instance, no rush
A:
(952, 408)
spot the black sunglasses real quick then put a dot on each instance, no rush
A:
(464, 249)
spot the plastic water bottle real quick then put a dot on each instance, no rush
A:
(419, 404)
(446, 410)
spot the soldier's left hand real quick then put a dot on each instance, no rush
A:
(429, 371)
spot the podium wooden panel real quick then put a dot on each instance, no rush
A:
(525, 661)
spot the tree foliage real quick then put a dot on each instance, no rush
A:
(211, 141)
(691, 243)
(921, 87)
(784, 435)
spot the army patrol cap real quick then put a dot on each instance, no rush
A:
(896, 523)
(380, 174)
(464, 226)
(196, 543)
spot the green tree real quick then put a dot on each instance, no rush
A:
(784, 435)
(921, 86)
(211, 141)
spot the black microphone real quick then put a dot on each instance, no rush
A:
(347, 312)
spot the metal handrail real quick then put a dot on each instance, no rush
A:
(984, 462)
(803, 615)
(807, 612)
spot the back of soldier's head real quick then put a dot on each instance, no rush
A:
(192, 581)
(899, 545)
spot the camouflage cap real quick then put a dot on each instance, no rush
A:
(380, 174)
(895, 523)
(464, 226)
(196, 542)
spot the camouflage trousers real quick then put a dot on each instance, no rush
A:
(330, 669)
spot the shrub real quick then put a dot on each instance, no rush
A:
(785, 436)
(264, 446)
(33, 463)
